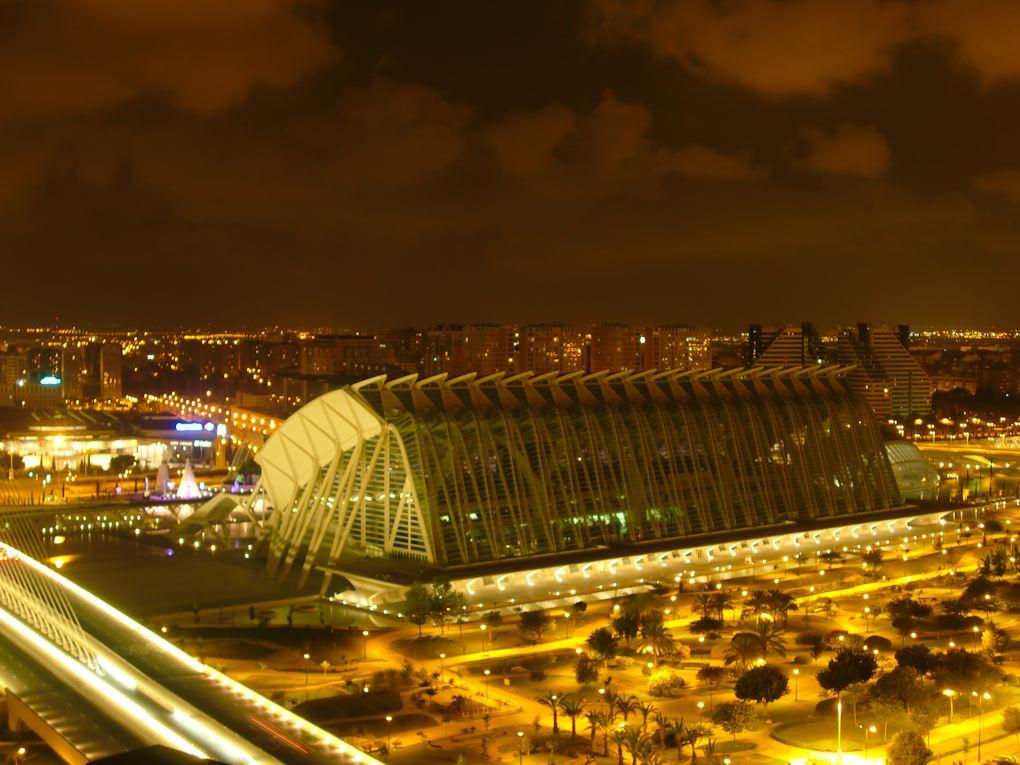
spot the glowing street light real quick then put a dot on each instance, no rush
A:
(870, 729)
(982, 698)
(796, 677)
(483, 627)
(364, 652)
(950, 694)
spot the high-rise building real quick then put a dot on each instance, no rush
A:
(615, 347)
(552, 348)
(789, 346)
(885, 373)
(110, 362)
(676, 347)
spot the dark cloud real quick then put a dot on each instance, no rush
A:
(389, 163)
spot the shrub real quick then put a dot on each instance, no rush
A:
(665, 682)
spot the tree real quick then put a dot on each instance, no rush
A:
(763, 685)
(626, 624)
(552, 700)
(781, 603)
(744, 648)
(918, 656)
(578, 608)
(995, 563)
(1011, 722)
(443, 602)
(418, 605)
(706, 625)
(627, 705)
(597, 720)
(492, 619)
(533, 624)
(888, 710)
(902, 684)
(721, 602)
(712, 677)
(692, 735)
(586, 671)
(964, 670)
(121, 462)
(735, 717)
(847, 667)
(908, 748)
(770, 638)
(904, 613)
(603, 644)
(853, 695)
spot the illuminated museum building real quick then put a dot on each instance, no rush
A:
(473, 470)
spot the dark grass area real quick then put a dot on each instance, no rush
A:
(334, 709)
(321, 643)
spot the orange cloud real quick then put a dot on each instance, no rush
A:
(704, 162)
(523, 144)
(75, 55)
(851, 150)
(776, 47)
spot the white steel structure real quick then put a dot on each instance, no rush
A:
(335, 466)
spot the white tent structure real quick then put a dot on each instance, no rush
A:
(335, 472)
(188, 488)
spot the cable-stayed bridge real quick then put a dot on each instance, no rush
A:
(92, 682)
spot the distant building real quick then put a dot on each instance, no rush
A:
(789, 346)
(885, 373)
(949, 383)
(552, 348)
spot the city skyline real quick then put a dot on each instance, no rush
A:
(398, 164)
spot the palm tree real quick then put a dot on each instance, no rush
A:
(679, 728)
(721, 602)
(631, 742)
(704, 604)
(627, 705)
(552, 701)
(572, 707)
(744, 648)
(662, 723)
(645, 708)
(694, 734)
(596, 722)
(770, 638)
(757, 603)
(619, 738)
(660, 639)
(781, 603)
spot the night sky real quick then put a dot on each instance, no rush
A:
(373, 164)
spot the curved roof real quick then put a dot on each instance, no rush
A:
(310, 439)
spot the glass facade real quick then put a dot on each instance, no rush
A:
(506, 467)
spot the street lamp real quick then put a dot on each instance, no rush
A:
(949, 693)
(442, 666)
(982, 697)
(364, 653)
(307, 657)
(796, 677)
(483, 627)
(487, 673)
(389, 732)
(701, 710)
(867, 615)
(870, 729)
(520, 747)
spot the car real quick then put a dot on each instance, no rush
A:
(1002, 759)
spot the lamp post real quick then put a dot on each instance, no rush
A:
(442, 666)
(867, 615)
(364, 647)
(701, 710)
(520, 747)
(981, 697)
(796, 677)
(389, 732)
(486, 673)
(839, 726)
(870, 729)
(307, 657)
(950, 694)
(483, 627)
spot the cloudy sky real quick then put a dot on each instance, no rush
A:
(373, 164)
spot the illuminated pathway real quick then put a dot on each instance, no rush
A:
(105, 684)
